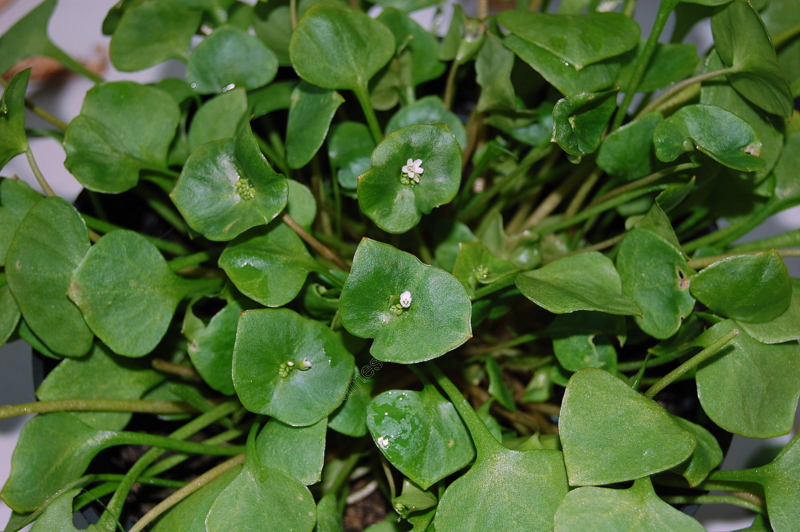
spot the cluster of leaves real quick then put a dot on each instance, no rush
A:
(349, 198)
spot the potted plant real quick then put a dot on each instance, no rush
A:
(466, 269)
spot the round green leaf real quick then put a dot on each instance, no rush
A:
(123, 128)
(309, 119)
(13, 139)
(636, 509)
(218, 118)
(436, 321)
(126, 292)
(611, 433)
(267, 341)
(580, 120)
(230, 58)
(784, 328)
(428, 110)
(297, 451)
(350, 146)
(587, 281)
(753, 288)
(392, 198)
(227, 187)
(339, 49)
(16, 199)
(47, 247)
(420, 433)
(628, 151)
(268, 264)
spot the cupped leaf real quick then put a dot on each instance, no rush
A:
(749, 388)
(743, 43)
(123, 128)
(752, 288)
(268, 264)
(47, 247)
(350, 146)
(127, 293)
(16, 199)
(152, 32)
(611, 433)
(230, 58)
(297, 451)
(431, 318)
(586, 281)
(309, 119)
(718, 133)
(414, 170)
(289, 367)
(580, 120)
(784, 328)
(655, 275)
(579, 40)
(13, 139)
(428, 110)
(628, 151)
(706, 457)
(636, 509)
(99, 375)
(476, 266)
(420, 433)
(338, 49)
(351, 417)
(218, 118)
(670, 63)
(9, 314)
(227, 187)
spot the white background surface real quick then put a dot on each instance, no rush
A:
(75, 27)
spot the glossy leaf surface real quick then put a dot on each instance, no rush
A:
(309, 119)
(218, 118)
(428, 110)
(297, 451)
(350, 146)
(189, 515)
(784, 328)
(351, 417)
(580, 120)
(476, 267)
(628, 151)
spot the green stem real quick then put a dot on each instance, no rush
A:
(642, 182)
(678, 87)
(273, 156)
(629, 8)
(163, 209)
(97, 405)
(176, 459)
(362, 93)
(725, 236)
(106, 227)
(714, 499)
(191, 287)
(554, 199)
(94, 494)
(690, 364)
(785, 36)
(37, 172)
(525, 338)
(346, 470)
(451, 82)
(40, 112)
(503, 282)
(698, 264)
(194, 259)
(163, 442)
(293, 13)
(144, 479)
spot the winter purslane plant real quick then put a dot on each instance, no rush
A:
(359, 211)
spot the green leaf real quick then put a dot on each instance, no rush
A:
(218, 118)
(267, 342)
(273, 97)
(13, 139)
(99, 375)
(123, 128)
(706, 457)
(329, 518)
(497, 386)
(493, 73)
(416, 41)
(628, 152)
(395, 200)
(9, 314)
(268, 264)
(230, 58)
(47, 247)
(309, 119)
(420, 433)
(611, 433)
(718, 133)
(427, 110)
(350, 418)
(787, 187)
(337, 49)
(16, 199)
(350, 146)
(586, 281)
(152, 32)
(579, 40)
(636, 509)
(126, 292)
(580, 120)
(406, 5)
(595, 77)
(655, 275)
(297, 451)
(743, 43)
(476, 267)
(227, 187)
(657, 221)
(749, 388)
(670, 63)
(784, 328)
(580, 340)
(752, 288)
(450, 235)
(436, 321)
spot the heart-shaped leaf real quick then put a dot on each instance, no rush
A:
(752, 288)
(635, 509)
(350, 418)
(784, 328)
(13, 140)
(268, 264)
(655, 275)
(476, 266)
(47, 247)
(611, 433)
(427, 110)
(579, 40)
(580, 120)
(706, 456)
(420, 433)
(749, 388)
(297, 451)
(123, 128)
(309, 119)
(230, 58)
(227, 187)
(414, 311)
(289, 367)
(127, 293)
(218, 118)
(718, 133)
(350, 146)
(628, 151)
(152, 32)
(586, 281)
(414, 170)
(16, 199)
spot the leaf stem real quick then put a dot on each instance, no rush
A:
(175, 459)
(362, 93)
(37, 172)
(318, 246)
(714, 499)
(163, 209)
(690, 364)
(594, 247)
(554, 199)
(194, 259)
(642, 182)
(697, 264)
(39, 111)
(726, 235)
(293, 13)
(106, 227)
(165, 366)
(187, 490)
(272, 155)
(450, 86)
(97, 405)
(665, 96)
(629, 8)
(785, 36)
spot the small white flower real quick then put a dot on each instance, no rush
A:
(413, 169)
(405, 299)
(306, 363)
